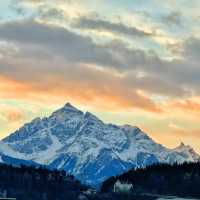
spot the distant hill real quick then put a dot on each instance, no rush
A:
(177, 179)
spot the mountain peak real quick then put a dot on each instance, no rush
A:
(182, 145)
(80, 143)
(187, 149)
(69, 106)
(66, 111)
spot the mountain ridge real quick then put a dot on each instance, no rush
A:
(85, 146)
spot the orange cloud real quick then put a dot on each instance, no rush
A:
(14, 116)
(11, 114)
(103, 94)
(179, 131)
(192, 105)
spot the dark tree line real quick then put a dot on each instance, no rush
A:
(177, 179)
(38, 183)
(30, 183)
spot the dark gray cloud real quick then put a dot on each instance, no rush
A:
(58, 78)
(191, 49)
(104, 25)
(74, 47)
(56, 40)
(46, 12)
(56, 51)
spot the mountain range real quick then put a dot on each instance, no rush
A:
(83, 145)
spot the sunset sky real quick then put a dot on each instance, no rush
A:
(128, 61)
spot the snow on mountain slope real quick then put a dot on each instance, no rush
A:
(83, 145)
(187, 152)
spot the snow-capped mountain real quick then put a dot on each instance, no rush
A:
(86, 147)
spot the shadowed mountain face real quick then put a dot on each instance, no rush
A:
(86, 147)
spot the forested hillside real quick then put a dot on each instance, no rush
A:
(42, 184)
(29, 183)
(180, 180)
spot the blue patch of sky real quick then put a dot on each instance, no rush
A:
(157, 10)
(6, 12)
